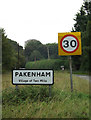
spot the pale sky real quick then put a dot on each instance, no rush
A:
(37, 19)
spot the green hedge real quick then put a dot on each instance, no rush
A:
(47, 64)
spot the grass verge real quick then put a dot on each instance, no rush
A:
(34, 101)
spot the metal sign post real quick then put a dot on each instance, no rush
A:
(49, 90)
(16, 87)
(70, 63)
(18, 65)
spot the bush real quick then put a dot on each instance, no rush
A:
(38, 93)
(46, 64)
(32, 93)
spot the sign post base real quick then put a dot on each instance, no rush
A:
(49, 90)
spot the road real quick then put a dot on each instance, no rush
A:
(86, 77)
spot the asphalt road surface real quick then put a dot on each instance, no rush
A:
(85, 77)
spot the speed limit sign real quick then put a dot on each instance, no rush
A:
(69, 43)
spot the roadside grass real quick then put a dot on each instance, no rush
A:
(67, 108)
(81, 72)
(34, 101)
(62, 81)
(6, 80)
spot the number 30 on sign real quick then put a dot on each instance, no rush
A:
(69, 43)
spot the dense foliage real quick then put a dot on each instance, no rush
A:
(35, 50)
(47, 64)
(38, 93)
(83, 25)
(34, 102)
(10, 57)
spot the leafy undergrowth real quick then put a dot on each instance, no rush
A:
(34, 102)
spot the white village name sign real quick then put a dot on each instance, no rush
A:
(33, 77)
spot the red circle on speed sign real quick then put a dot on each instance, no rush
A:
(69, 43)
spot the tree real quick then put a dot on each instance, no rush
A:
(87, 7)
(81, 20)
(83, 25)
(53, 50)
(19, 62)
(7, 53)
(85, 59)
(35, 55)
(32, 45)
(10, 53)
